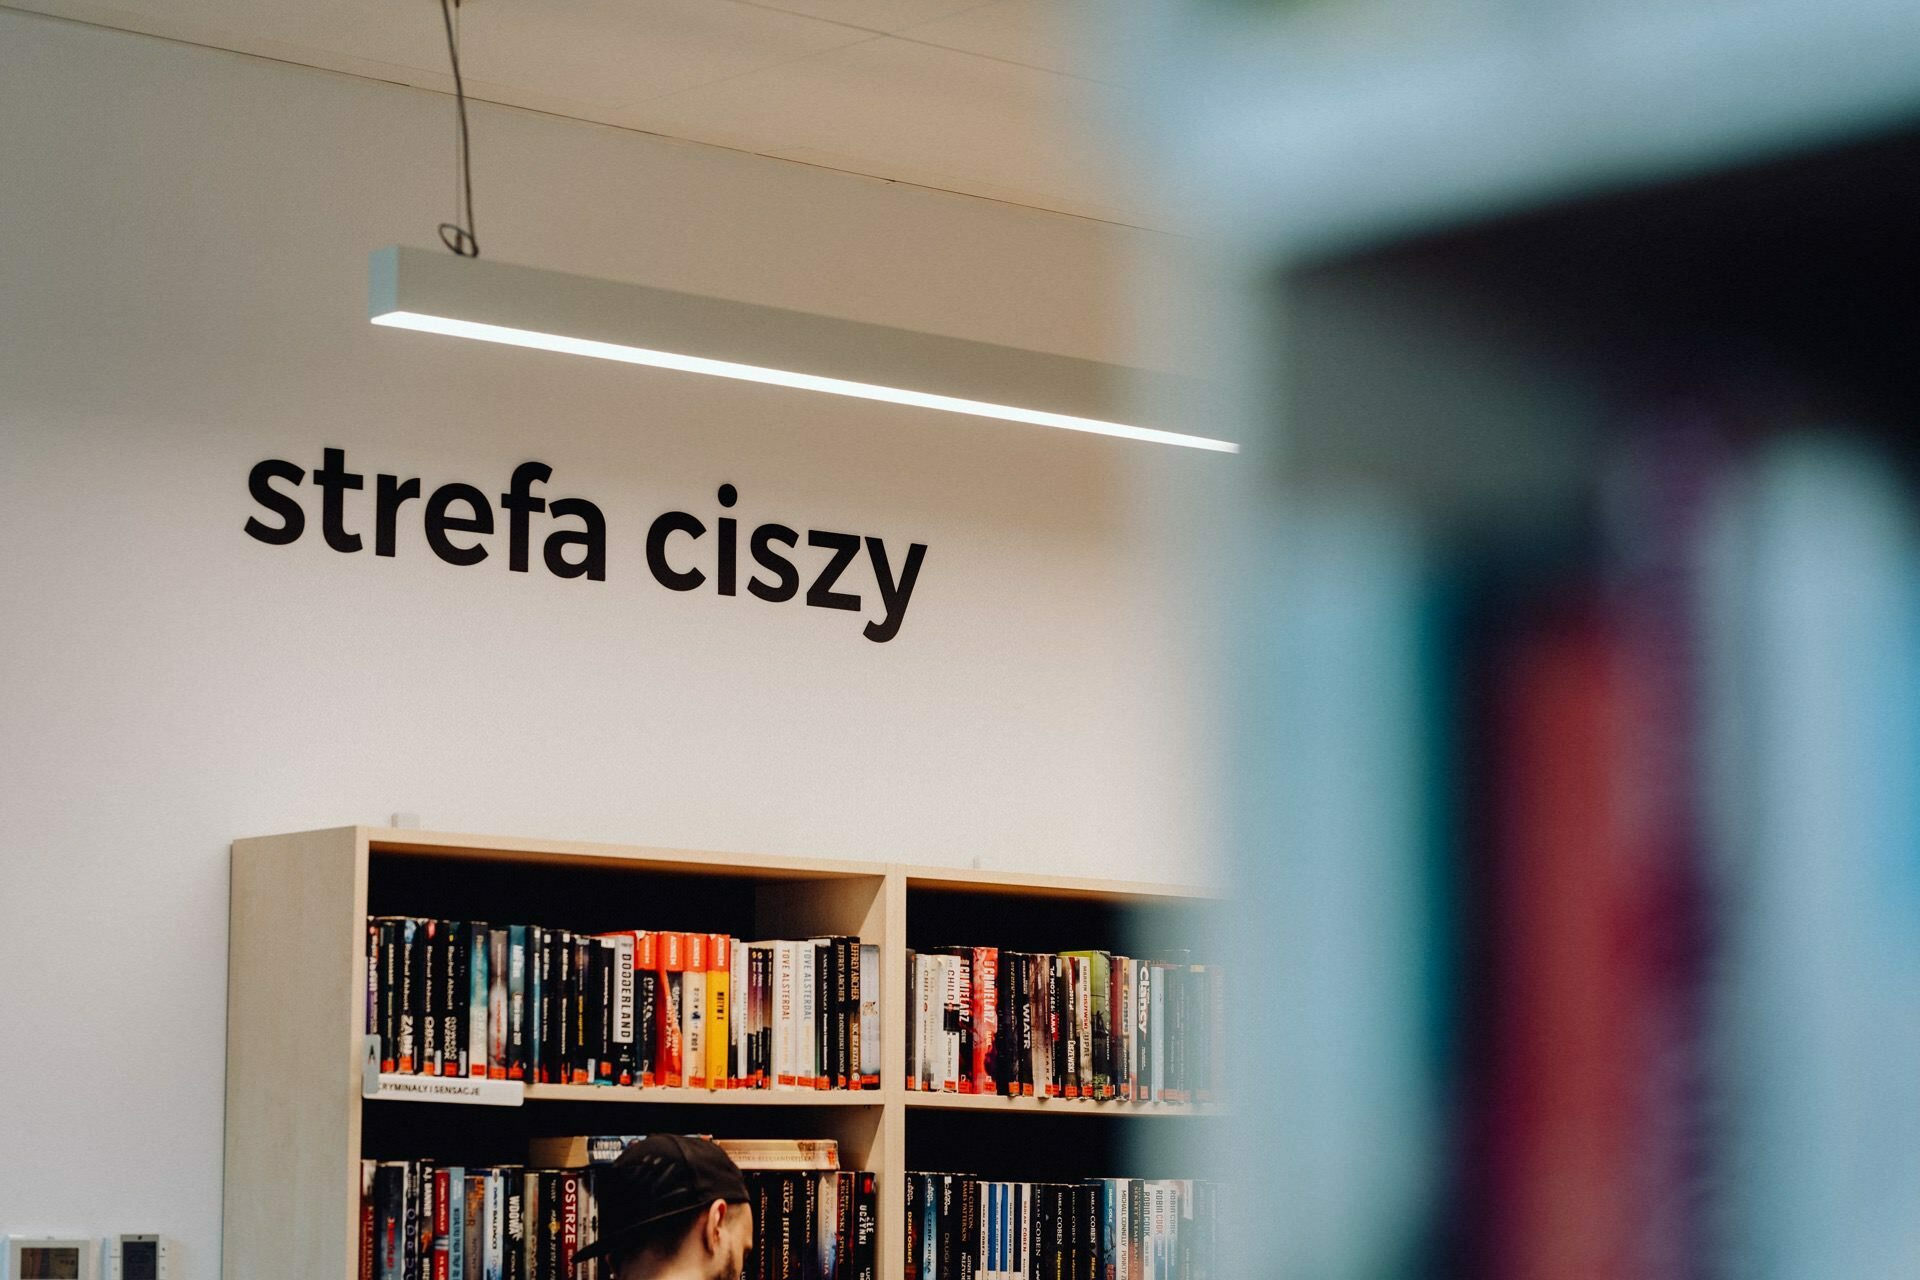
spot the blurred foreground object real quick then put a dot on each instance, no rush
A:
(1577, 775)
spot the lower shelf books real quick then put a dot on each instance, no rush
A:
(637, 1008)
(426, 1221)
(1088, 1025)
(961, 1227)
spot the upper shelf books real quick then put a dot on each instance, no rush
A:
(633, 1008)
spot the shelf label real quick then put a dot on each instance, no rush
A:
(471, 1092)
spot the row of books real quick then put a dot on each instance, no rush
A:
(426, 1221)
(638, 1008)
(1078, 1024)
(961, 1227)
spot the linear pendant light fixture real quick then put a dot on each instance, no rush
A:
(638, 324)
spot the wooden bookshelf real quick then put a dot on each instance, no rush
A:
(297, 1125)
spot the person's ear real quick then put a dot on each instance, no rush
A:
(716, 1226)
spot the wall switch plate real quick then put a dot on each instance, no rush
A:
(138, 1258)
(50, 1258)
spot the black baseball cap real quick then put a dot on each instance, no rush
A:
(659, 1177)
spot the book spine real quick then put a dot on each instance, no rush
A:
(517, 1002)
(719, 1013)
(785, 1011)
(693, 1012)
(369, 1266)
(442, 1237)
(514, 1250)
(602, 1068)
(952, 1002)
(536, 1001)
(479, 987)
(646, 978)
(739, 999)
(869, 979)
(846, 1027)
(390, 947)
(985, 989)
(586, 1010)
(626, 1063)
(806, 1041)
(913, 1020)
(433, 954)
(866, 1228)
(454, 1037)
(570, 1189)
(673, 964)
(497, 982)
(409, 996)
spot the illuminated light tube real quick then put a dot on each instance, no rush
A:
(637, 324)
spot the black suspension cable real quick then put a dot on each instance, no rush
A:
(459, 236)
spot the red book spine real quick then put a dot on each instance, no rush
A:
(673, 963)
(986, 1015)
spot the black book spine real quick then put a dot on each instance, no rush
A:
(823, 1016)
(515, 1254)
(913, 1020)
(586, 1008)
(389, 1221)
(842, 1226)
(761, 1264)
(390, 995)
(788, 1265)
(866, 1229)
(547, 1245)
(810, 1227)
(563, 1021)
(850, 996)
(916, 1210)
(411, 964)
(604, 1065)
(949, 1227)
(553, 999)
(646, 1042)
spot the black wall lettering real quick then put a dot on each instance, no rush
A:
(334, 480)
(663, 527)
(893, 597)
(593, 538)
(518, 502)
(293, 520)
(388, 493)
(439, 522)
(727, 566)
(845, 546)
(786, 582)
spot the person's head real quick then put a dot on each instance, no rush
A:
(672, 1205)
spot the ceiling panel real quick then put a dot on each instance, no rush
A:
(973, 97)
(917, 113)
(1034, 33)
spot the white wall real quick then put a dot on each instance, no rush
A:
(183, 238)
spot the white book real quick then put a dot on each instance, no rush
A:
(493, 1237)
(784, 1011)
(1122, 1243)
(806, 1026)
(928, 980)
(479, 985)
(693, 1025)
(623, 997)
(955, 993)
(869, 1065)
(1041, 1011)
(1157, 1035)
(737, 1013)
